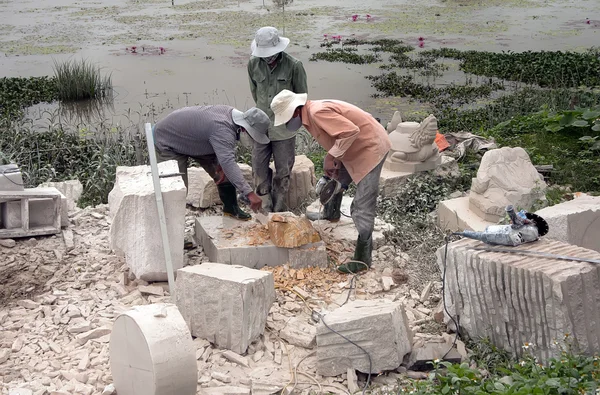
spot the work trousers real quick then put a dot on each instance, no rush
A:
(208, 163)
(364, 206)
(284, 155)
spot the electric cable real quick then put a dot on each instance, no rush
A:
(444, 298)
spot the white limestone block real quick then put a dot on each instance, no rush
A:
(11, 178)
(135, 228)
(202, 190)
(71, 189)
(505, 176)
(575, 222)
(379, 326)
(225, 304)
(514, 299)
(152, 352)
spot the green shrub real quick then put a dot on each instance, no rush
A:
(17, 93)
(567, 374)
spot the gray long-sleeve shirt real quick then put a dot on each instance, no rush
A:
(203, 130)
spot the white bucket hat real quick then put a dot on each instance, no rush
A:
(256, 123)
(284, 105)
(267, 42)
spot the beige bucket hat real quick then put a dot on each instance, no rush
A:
(284, 104)
(267, 42)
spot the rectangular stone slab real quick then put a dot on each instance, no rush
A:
(379, 326)
(515, 298)
(227, 305)
(227, 240)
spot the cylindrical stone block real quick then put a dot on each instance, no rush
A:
(152, 353)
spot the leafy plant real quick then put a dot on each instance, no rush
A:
(18, 93)
(345, 55)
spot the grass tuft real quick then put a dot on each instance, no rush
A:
(81, 80)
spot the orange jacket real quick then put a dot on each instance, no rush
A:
(348, 134)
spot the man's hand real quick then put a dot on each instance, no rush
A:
(221, 175)
(255, 201)
(331, 166)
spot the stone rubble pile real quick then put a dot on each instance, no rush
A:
(61, 296)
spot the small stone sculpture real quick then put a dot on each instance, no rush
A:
(413, 145)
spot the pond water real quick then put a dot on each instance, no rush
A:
(206, 44)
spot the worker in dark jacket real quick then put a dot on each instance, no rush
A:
(270, 71)
(209, 135)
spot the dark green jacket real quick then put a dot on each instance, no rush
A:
(265, 84)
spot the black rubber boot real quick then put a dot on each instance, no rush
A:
(332, 211)
(362, 256)
(228, 196)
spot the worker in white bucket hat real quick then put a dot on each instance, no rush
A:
(356, 145)
(270, 71)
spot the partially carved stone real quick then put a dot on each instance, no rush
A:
(413, 145)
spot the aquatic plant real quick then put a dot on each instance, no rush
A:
(544, 68)
(79, 80)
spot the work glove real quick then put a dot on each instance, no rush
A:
(331, 166)
(255, 201)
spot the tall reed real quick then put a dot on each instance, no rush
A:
(80, 80)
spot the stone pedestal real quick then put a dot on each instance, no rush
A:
(344, 229)
(575, 222)
(390, 181)
(135, 228)
(513, 298)
(379, 326)
(227, 240)
(227, 305)
(152, 352)
(41, 211)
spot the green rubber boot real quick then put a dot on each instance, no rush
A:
(332, 211)
(228, 196)
(362, 257)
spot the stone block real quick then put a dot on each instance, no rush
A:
(289, 231)
(135, 228)
(11, 178)
(202, 190)
(505, 176)
(390, 182)
(379, 326)
(575, 222)
(71, 189)
(455, 215)
(302, 182)
(41, 211)
(227, 305)
(345, 229)
(152, 352)
(423, 355)
(226, 240)
(414, 167)
(514, 298)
